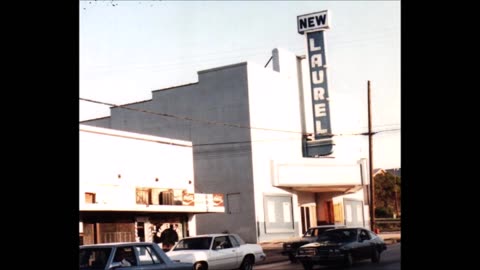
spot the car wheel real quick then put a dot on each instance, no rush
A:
(375, 256)
(200, 266)
(307, 265)
(247, 263)
(348, 259)
(292, 258)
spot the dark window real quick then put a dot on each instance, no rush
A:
(90, 197)
(166, 197)
(233, 203)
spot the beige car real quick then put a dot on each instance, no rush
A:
(217, 252)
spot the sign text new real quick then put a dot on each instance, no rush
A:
(313, 21)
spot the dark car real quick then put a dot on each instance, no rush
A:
(132, 255)
(290, 247)
(341, 246)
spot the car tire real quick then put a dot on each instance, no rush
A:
(348, 259)
(200, 266)
(375, 256)
(247, 263)
(292, 258)
(307, 265)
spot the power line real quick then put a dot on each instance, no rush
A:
(223, 123)
(188, 118)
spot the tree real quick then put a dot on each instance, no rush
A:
(387, 194)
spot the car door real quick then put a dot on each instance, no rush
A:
(366, 245)
(354, 243)
(237, 250)
(143, 258)
(223, 255)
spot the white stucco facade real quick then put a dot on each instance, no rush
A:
(247, 135)
(117, 166)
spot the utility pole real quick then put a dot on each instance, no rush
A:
(395, 190)
(370, 159)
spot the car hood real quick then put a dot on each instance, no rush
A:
(300, 239)
(190, 256)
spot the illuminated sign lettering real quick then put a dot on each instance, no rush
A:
(321, 110)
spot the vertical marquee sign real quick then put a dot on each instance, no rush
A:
(313, 25)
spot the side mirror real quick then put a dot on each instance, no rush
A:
(114, 265)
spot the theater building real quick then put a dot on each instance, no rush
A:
(248, 127)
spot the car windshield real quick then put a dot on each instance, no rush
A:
(194, 243)
(338, 236)
(94, 258)
(316, 231)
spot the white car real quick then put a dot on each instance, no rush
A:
(217, 252)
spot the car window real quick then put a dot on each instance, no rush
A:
(372, 234)
(316, 231)
(238, 238)
(193, 243)
(321, 230)
(147, 256)
(94, 258)
(308, 233)
(234, 241)
(364, 235)
(125, 253)
(221, 242)
(339, 235)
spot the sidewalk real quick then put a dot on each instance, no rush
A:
(273, 249)
(273, 253)
(390, 237)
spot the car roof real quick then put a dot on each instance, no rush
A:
(327, 226)
(209, 235)
(118, 244)
(349, 228)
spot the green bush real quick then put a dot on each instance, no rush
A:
(382, 212)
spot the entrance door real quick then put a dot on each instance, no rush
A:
(309, 217)
(353, 213)
(330, 217)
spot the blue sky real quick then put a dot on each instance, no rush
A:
(130, 48)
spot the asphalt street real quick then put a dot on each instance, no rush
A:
(390, 261)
